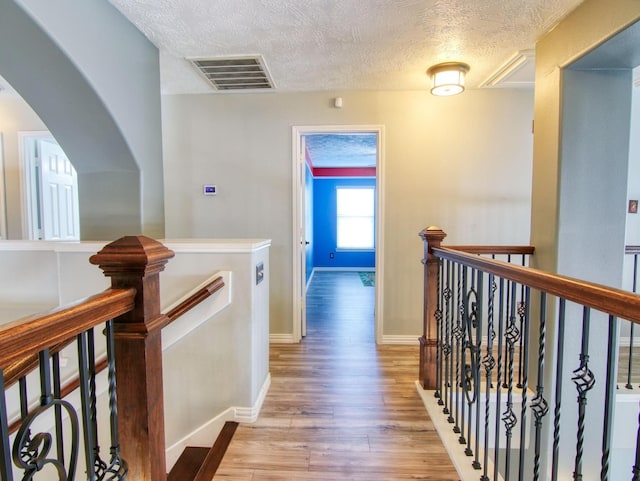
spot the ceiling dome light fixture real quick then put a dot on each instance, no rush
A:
(447, 78)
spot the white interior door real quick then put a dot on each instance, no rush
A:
(303, 237)
(58, 189)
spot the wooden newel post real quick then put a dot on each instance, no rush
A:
(136, 261)
(432, 237)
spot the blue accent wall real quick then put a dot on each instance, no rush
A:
(308, 192)
(324, 225)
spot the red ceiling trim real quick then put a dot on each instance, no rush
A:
(338, 171)
(344, 172)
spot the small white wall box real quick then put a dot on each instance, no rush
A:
(209, 189)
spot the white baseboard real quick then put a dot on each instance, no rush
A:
(282, 339)
(250, 415)
(206, 434)
(406, 340)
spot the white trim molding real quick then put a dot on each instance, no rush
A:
(400, 340)
(250, 414)
(283, 339)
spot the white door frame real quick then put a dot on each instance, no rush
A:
(299, 228)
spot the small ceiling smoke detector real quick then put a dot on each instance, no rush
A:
(237, 73)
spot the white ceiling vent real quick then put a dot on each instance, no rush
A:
(238, 73)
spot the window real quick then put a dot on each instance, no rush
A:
(356, 217)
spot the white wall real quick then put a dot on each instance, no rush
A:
(463, 163)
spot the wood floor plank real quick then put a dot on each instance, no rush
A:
(339, 406)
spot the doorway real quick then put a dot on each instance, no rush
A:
(50, 189)
(302, 241)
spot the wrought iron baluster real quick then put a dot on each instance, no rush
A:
(630, 365)
(609, 398)
(522, 307)
(468, 379)
(85, 408)
(631, 333)
(501, 315)
(636, 466)
(524, 372)
(475, 366)
(6, 473)
(555, 460)
(117, 469)
(448, 344)
(457, 332)
(57, 394)
(452, 381)
(510, 420)
(439, 343)
(510, 301)
(24, 399)
(489, 363)
(584, 380)
(461, 359)
(99, 465)
(539, 405)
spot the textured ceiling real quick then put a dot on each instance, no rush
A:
(342, 44)
(342, 150)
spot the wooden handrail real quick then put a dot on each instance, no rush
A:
(498, 250)
(22, 367)
(195, 299)
(620, 303)
(25, 337)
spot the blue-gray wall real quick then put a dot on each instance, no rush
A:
(325, 224)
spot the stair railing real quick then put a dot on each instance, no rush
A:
(129, 315)
(483, 318)
(40, 339)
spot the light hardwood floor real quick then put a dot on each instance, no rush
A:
(339, 407)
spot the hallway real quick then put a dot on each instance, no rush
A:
(339, 407)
